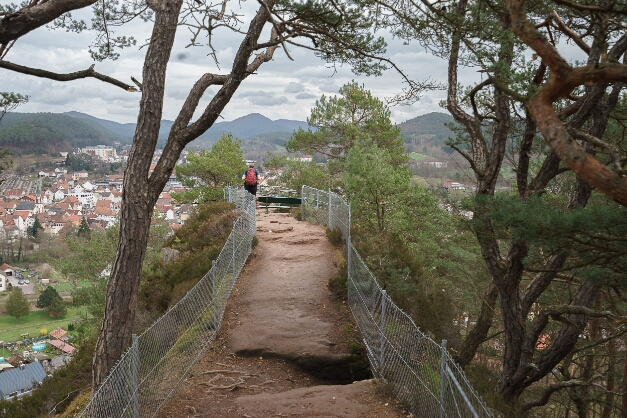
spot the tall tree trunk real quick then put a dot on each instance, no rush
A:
(583, 409)
(141, 189)
(137, 199)
(611, 375)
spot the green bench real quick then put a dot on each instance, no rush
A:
(280, 202)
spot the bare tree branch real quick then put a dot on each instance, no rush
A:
(551, 389)
(89, 73)
(569, 32)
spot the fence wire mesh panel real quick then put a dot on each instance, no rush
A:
(152, 369)
(421, 372)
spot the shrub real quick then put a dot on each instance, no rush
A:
(198, 242)
(338, 284)
(335, 237)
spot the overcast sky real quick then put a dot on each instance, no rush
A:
(282, 89)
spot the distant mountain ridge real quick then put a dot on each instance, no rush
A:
(429, 129)
(243, 127)
(48, 133)
(53, 132)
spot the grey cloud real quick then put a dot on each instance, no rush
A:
(127, 111)
(263, 98)
(329, 87)
(294, 88)
(306, 96)
(182, 56)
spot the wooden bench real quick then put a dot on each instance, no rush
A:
(281, 202)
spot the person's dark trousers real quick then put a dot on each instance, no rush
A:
(251, 188)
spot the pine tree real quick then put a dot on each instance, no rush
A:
(46, 298)
(57, 308)
(83, 229)
(33, 231)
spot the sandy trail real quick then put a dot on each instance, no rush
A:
(283, 341)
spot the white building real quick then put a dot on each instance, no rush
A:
(60, 193)
(85, 196)
(4, 282)
(102, 152)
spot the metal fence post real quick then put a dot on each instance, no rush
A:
(317, 198)
(329, 205)
(233, 255)
(214, 292)
(348, 245)
(135, 375)
(382, 356)
(443, 367)
(302, 202)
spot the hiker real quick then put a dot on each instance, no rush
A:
(251, 178)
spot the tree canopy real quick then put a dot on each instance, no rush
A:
(57, 308)
(10, 101)
(47, 296)
(207, 173)
(340, 122)
(17, 305)
(549, 278)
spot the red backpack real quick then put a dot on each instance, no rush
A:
(251, 177)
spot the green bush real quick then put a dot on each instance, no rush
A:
(198, 242)
(354, 348)
(335, 237)
(339, 284)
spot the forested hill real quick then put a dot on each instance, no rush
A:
(54, 132)
(48, 133)
(244, 127)
(429, 129)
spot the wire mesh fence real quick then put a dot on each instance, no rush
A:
(152, 369)
(421, 372)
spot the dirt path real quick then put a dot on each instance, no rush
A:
(283, 343)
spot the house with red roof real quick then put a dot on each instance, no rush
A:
(13, 193)
(62, 346)
(57, 333)
(7, 270)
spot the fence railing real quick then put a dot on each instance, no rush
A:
(158, 361)
(421, 372)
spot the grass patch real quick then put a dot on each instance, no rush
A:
(35, 321)
(417, 156)
(419, 181)
(63, 286)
